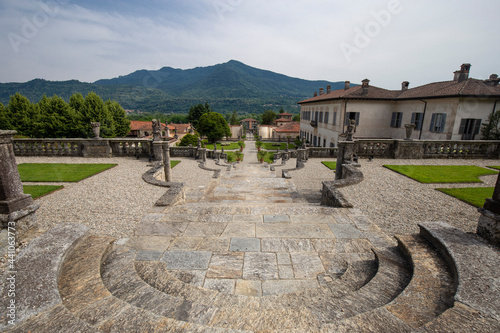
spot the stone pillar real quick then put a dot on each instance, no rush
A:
(489, 221)
(345, 154)
(157, 150)
(204, 154)
(15, 207)
(166, 162)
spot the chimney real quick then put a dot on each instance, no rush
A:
(493, 80)
(365, 84)
(321, 91)
(315, 93)
(463, 74)
(328, 89)
(405, 85)
(347, 85)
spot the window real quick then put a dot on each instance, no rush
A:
(469, 128)
(320, 117)
(316, 114)
(396, 119)
(327, 115)
(438, 122)
(324, 143)
(334, 118)
(416, 118)
(352, 115)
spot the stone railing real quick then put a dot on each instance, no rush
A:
(82, 147)
(419, 149)
(315, 152)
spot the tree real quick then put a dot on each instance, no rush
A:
(282, 111)
(95, 110)
(4, 118)
(23, 114)
(268, 117)
(489, 129)
(196, 112)
(296, 118)
(117, 113)
(234, 119)
(189, 139)
(213, 126)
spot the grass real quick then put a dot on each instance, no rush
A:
(442, 174)
(232, 146)
(282, 146)
(472, 195)
(174, 163)
(58, 172)
(330, 165)
(231, 157)
(494, 167)
(269, 157)
(37, 191)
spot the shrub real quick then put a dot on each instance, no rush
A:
(189, 139)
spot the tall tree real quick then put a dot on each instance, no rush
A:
(282, 111)
(23, 114)
(489, 129)
(121, 123)
(69, 121)
(196, 112)
(213, 126)
(268, 117)
(234, 119)
(4, 118)
(95, 110)
(296, 117)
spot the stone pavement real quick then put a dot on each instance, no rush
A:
(249, 254)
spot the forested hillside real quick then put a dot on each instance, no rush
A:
(226, 87)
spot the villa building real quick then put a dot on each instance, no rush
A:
(142, 129)
(449, 110)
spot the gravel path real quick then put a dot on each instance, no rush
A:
(112, 202)
(396, 203)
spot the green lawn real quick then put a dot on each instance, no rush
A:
(494, 167)
(330, 165)
(58, 172)
(269, 158)
(174, 163)
(282, 146)
(472, 195)
(442, 174)
(37, 191)
(232, 146)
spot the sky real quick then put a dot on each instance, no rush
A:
(386, 41)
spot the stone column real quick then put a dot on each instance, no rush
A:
(489, 221)
(157, 150)
(166, 162)
(345, 154)
(204, 154)
(15, 207)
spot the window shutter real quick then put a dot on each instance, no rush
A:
(399, 119)
(413, 116)
(334, 118)
(393, 119)
(433, 121)
(462, 126)
(347, 117)
(477, 126)
(327, 115)
(443, 123)
(357, 118)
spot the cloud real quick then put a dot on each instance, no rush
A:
(87, 40)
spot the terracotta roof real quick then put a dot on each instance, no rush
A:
(136, 125)
(181, 128)
(470, 88)
(283, 120)
(293, 127)
(249, 119)
(285, 114)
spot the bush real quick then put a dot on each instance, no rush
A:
(189, 139)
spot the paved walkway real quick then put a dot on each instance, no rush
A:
(253, 234)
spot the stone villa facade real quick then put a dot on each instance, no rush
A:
(449, 110)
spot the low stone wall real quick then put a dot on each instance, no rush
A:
(331, 196)
(175, 193)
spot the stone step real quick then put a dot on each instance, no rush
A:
(37, 270)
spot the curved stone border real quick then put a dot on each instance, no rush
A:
(175, 193)
(331, 196)
(38, 267)
(215, 171)
(285, 173)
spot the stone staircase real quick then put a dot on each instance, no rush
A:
(250, 257)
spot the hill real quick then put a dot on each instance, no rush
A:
(226, 87)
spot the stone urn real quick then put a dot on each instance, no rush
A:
(409, 131)
(96, 128)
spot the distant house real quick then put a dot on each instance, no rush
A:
(180, 130)
(250, 124)
(141, 129)
(449, 110)
(289, 130)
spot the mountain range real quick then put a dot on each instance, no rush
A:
(226, 87)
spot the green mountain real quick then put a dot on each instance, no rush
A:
(226, 87)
